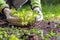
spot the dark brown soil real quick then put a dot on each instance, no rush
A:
(46, 26)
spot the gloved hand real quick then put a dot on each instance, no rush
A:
(7, 12)
(40, 17)
(10, 19)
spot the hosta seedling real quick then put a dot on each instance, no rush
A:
(26, 15)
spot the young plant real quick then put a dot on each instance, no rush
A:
(26, 15)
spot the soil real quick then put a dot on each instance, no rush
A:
(46, 26)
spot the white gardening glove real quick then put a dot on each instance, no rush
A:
(10, 18)
(7, 12)
(40, 17)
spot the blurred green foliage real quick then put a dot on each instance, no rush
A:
(51, 11)
(17, 34)
(50, 1)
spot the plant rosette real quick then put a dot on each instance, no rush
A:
(26, 16)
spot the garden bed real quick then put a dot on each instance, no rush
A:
(48, 29)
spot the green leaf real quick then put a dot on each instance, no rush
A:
(13, 37)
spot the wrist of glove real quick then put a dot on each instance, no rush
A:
(40, 17)
(7, 12)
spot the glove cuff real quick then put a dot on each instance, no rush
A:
(3, 9)
(35, 7)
